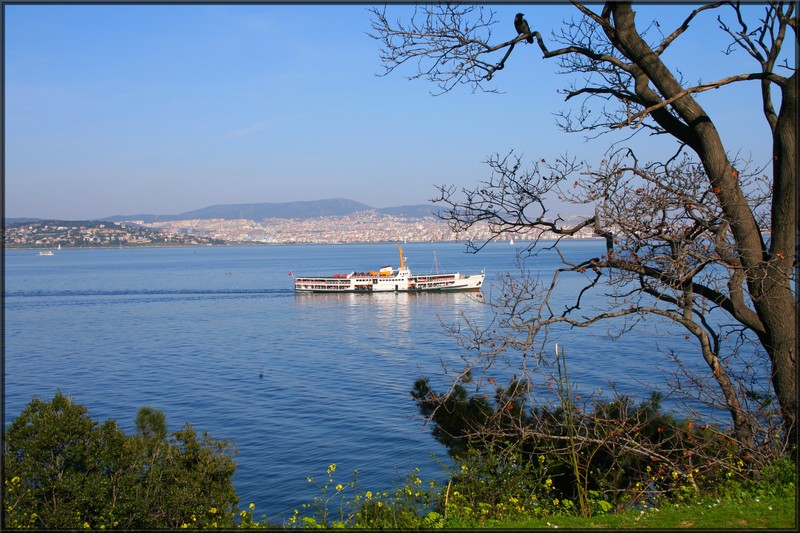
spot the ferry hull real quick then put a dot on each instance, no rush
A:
(338, 285)
(389, 280)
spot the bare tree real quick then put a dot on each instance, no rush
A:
(703, 231)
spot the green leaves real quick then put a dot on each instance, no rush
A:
(64, 470)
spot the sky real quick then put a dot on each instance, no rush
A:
(162, 109)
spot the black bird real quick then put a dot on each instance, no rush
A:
(521, 25)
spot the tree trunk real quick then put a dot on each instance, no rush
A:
(772, 292)
(768, 272)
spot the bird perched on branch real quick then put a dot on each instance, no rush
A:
(521, 25)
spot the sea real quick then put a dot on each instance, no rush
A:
(216, 336)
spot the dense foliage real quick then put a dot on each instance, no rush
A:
(64, 470)
(587, 456)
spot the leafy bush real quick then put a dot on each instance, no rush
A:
(64, 470)
(599, 455)
(342, 505)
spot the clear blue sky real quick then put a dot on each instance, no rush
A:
(160, 109)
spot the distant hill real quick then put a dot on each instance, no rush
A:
(260, 211)
(22, 220)
(302, 210)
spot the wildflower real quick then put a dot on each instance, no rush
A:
(368, 495)
(310, 479)
(549, 482)
(252, 506)
(86, 525)
(213, 510)
(332, 468)
(184, 526)
(339, 487)
(15, 480)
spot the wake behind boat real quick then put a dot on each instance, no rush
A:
(388, 279)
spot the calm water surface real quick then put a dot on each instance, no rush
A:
(217, 337)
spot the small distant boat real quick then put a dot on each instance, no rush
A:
(46, 252)
(388, 279)
(511, 242)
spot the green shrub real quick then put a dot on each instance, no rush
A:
(64, 470)
(601, 455)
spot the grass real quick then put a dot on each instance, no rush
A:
(740, 513)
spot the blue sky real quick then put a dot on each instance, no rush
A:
(160, 109)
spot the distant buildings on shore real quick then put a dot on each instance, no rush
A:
(354, 228)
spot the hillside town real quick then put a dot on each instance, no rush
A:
(362, 227)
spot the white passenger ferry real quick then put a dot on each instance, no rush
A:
(388, 279)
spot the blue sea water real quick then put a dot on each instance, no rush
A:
(217, 337)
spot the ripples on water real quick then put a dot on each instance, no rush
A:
(217, 337)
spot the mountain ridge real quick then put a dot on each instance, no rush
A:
(303, 209)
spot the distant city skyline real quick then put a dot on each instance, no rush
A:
(163, 109)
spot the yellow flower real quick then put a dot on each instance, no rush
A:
(213, 510)
(339, 487)
(332, 468)
(184, 526)
(15, 480)
(310, 479)
(252, 506)
(549, 482)
(86, 525)
(368, 495)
